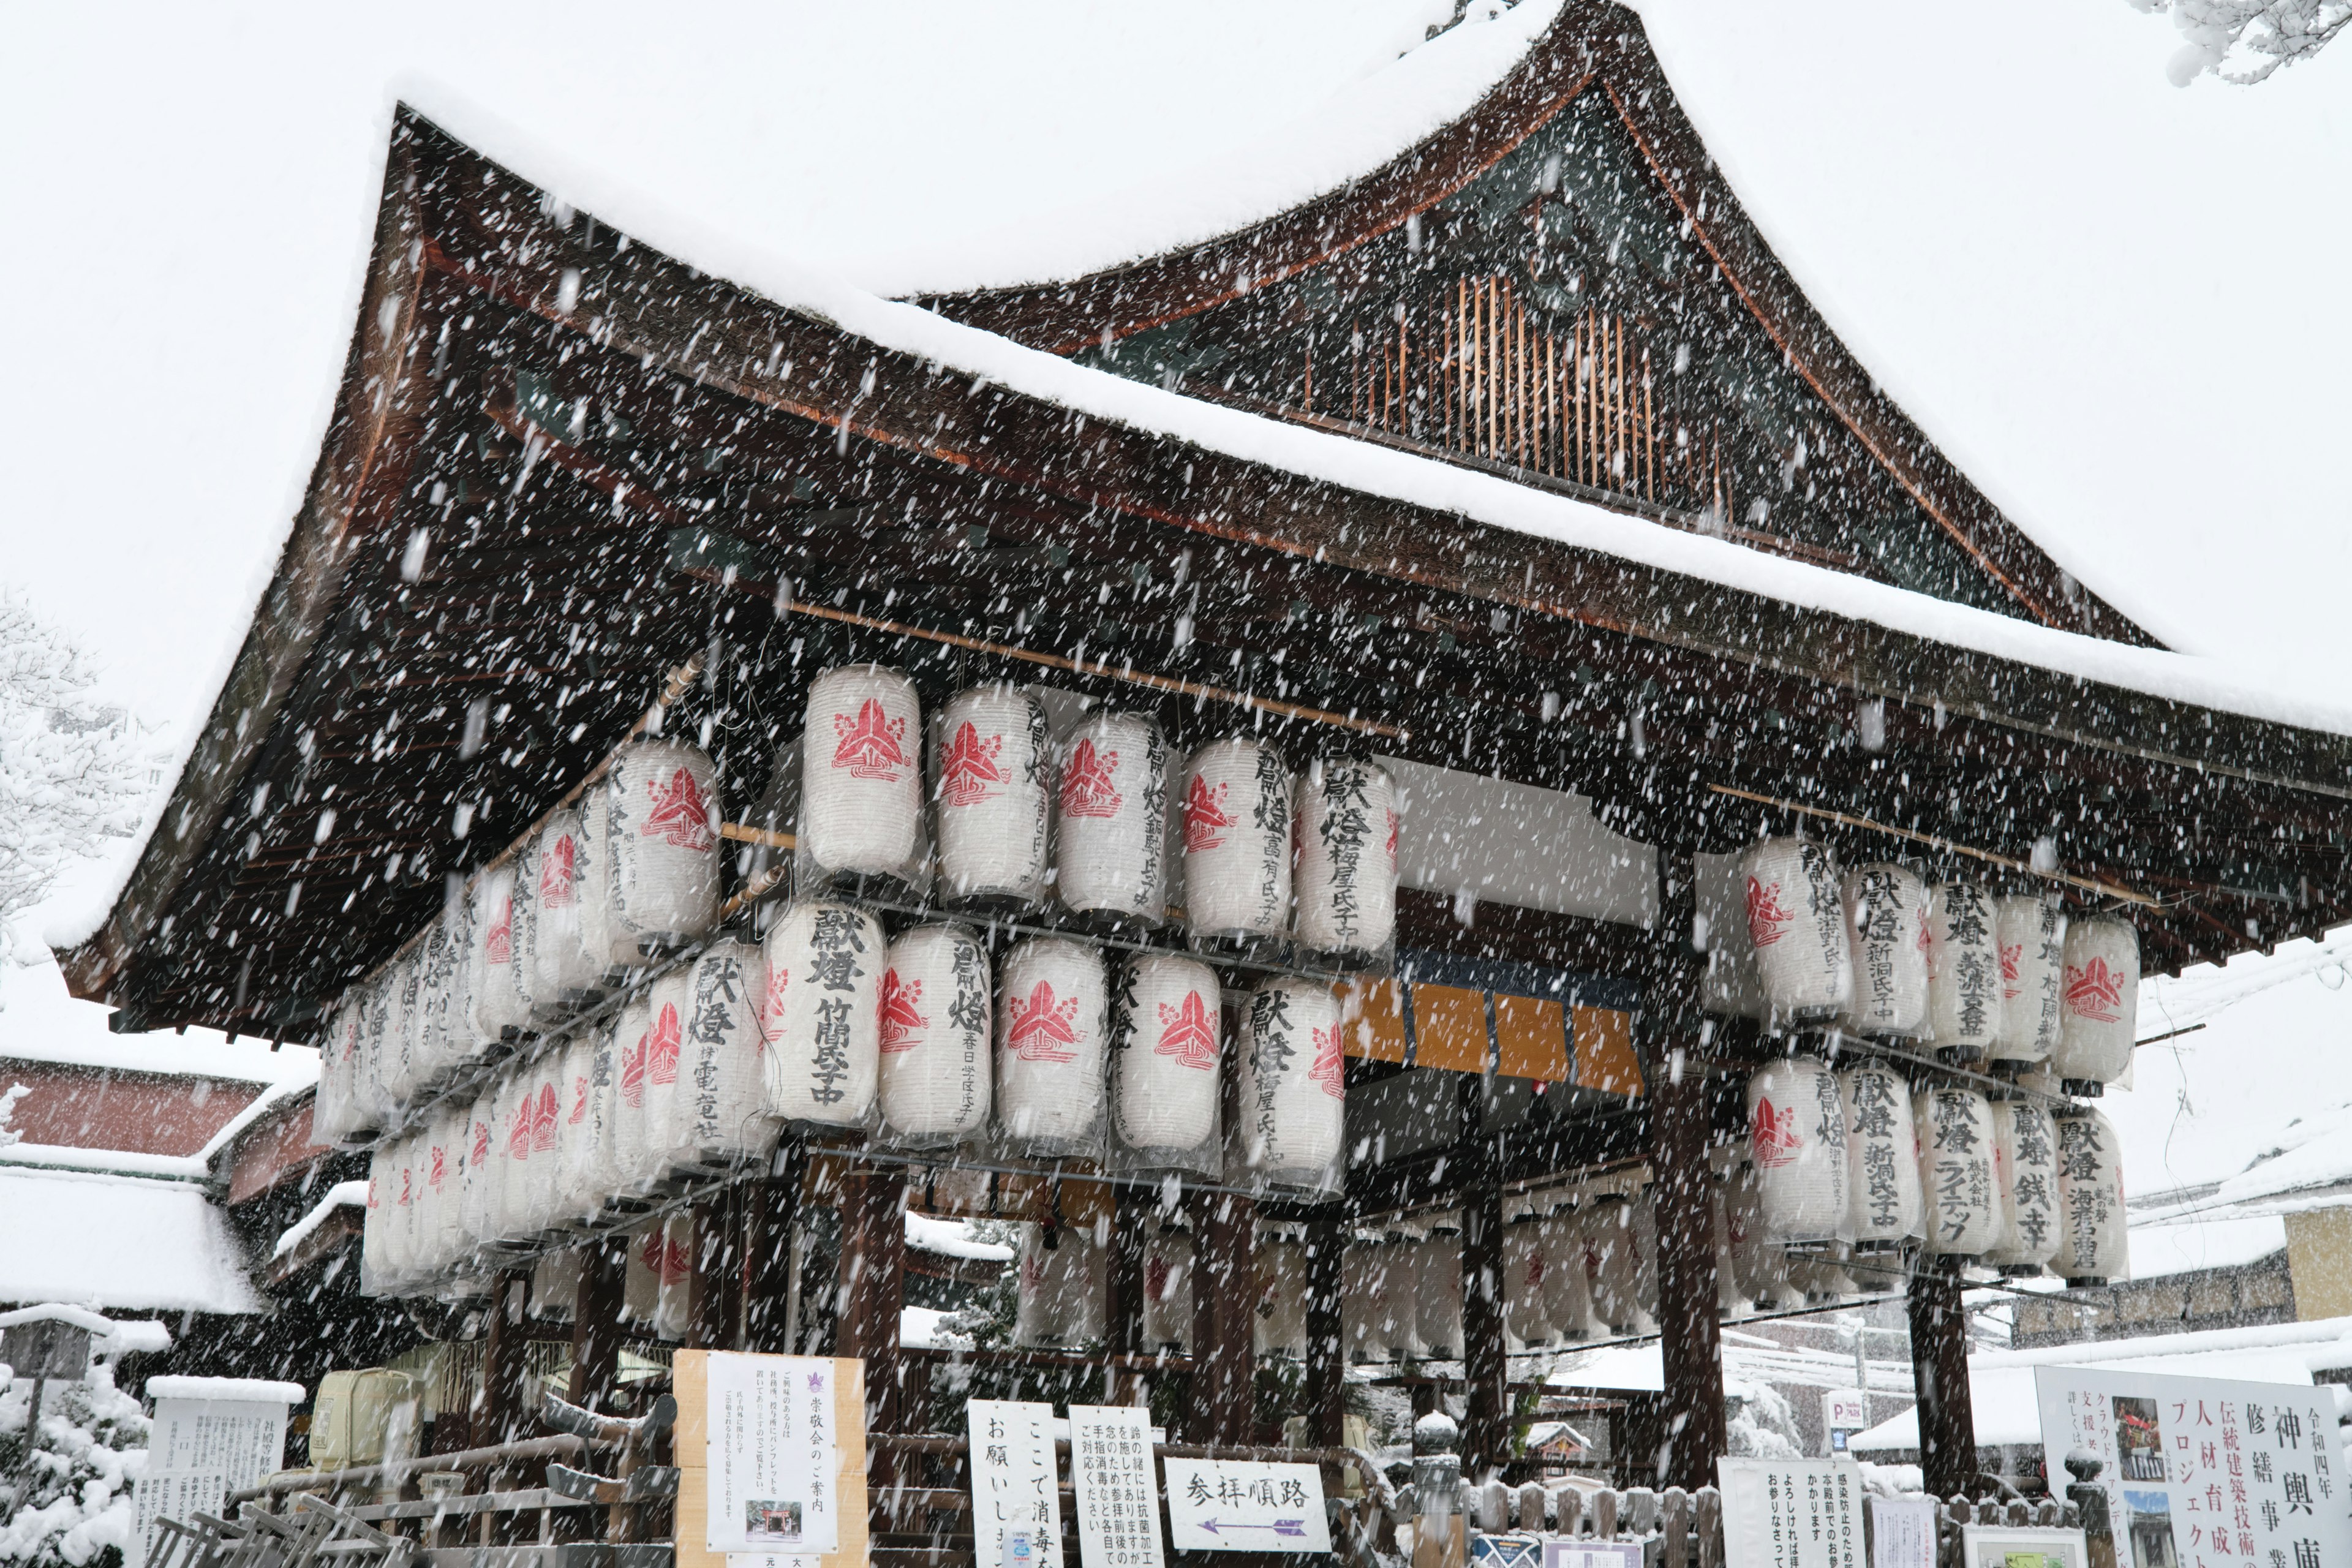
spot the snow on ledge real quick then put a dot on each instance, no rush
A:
(116, 1336)
(245, 1390)
(343, 1194)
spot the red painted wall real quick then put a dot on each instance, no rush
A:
(146, 1113)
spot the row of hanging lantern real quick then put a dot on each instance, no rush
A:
(1880, 952)
(1859, 1157)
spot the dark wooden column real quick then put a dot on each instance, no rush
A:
(1486, 1398)
(873, 1285)
(717, 1294)
(1326, 1350)
(1939, 1372)
(1689, 1337)
(1225, 1306)
(1134, 1216)
(596, 1326)
(505, 1356)
(775, 1206)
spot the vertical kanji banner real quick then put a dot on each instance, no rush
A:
(2205, 1472)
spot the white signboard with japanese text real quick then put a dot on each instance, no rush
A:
(1013, 1477)
(2205, 1472)
(1791, 1513)
(1118, 1493)
(1233, 1505)
(773, 1457)
(1903, 1533)
(201, 1449)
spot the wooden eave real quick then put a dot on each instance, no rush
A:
(1588, 44)
(457, 231)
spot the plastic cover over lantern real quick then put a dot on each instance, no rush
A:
(1886, 910)
(1436, 1295)
(397, 1064)
(2033, 933)
(1052, 1020)
(861, 775)
(1964, 1006)
(2025, 1163)
(335, 1114)
(1110, 817)
(721, 1112)
(1956, 1170)
(1396, 1279)
(1761, 1264)
(478, 1203)
(1060, 1297)
(499, 1006)
(991, 778)
(2099, 1012)
(641, 1274)
(1280, 1324)
(1525, 1314)
(1168, 1290)
(1882, 1156)
(672, 1002)
(1346, 878)
(1567, 1294)
(1797, 927)
(1731, 986)
(628, 1133)
(674, 1296)
(1292, 1083)
(1165, 1023)
(1236, 813)
(1797, 1143)
(444, 1182)
(566, 969)
(1360, 1313)
(935, 1078)
(1730, 1299)
(522, 937)
(437, 967)
(2091, 1247)
(661, 845)
(821, 1018)
(1613, 1264)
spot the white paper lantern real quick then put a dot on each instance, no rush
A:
(579, 1193)
(992, 791)
(555, 1286)
(499, 1006)
(1437, 1289)
(661, 865)
(1293, 1093)
(641, 1274)
(522, 941)
(601, 1163)
(1236, 840)
(332, 1112)
(1280, 1325)
(397, 1063)
(631, 1135)
(1797, 926)
(591, 880)
(1110, 817)
(1964, 985)
(1346, 877)
(566, 969)
(1060, 1296)
(1730, 1297)
(936, 1079)
(2025, 1164)
(1566, 1292)
(1731, 987)
(444, 1182)
(721, 1112)
(1052, 1020)
(1761, 1265)
(1525, 1315)
(436, 962)
(821, 1019)
(1886, 913)
(671, 1003)
(674, 1297)
(2099, 1016)
(399, 1192)
(1396, 1284)
(1168, 1291)
(505, 1181)
(1613, 1264)
(1882, 1155)
(1644, 1205)
(861, 772)
(480, 1201)
(2092, 1245)
(1165, 1024)
(2033, 933)
(1796, 1141)
(1358, 1312)
(1821, 1274)
(1956, 1173)
(374, 1234)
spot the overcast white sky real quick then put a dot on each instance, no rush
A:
(2118, 305)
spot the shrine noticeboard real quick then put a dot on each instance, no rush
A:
(722, 1447)
(1791, 1513)
(2205, 1472)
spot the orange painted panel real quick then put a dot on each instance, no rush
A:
(1374, 1020)
(1449, 1028)
(1604, 1052)
(1531, 1037)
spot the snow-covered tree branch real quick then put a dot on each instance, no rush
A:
(69, 776)
(2243, 41)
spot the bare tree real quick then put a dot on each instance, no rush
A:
(2243, 41)
(70, 775)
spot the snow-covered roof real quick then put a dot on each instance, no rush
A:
(1745, 1359)
(343, 1194)
(230, 1390)
(114, 1336)
(117, 1243)
(2157, 1250)
(952, 1238)
(196, 1167)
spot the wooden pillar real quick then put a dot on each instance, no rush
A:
(717, 1294)
(1486, 1398)
(1133, 1217)
(1225, 1306)
(1939, 1372)
(596, 1326)
(1689, 1336)
(505, 1355)
(774, 1216)
(872, 1286)
(1326, 1350)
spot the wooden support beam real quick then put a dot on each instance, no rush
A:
(596, 1324)
(1486, 1412)
(1939, 1372)
(1326, 1350)
(717, 1294)
(505, 1357)
(1691, 1436)
(774, 1215)
(872, 1288)
(1133, 1210)
(1225, 1299)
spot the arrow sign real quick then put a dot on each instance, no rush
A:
(1236, 1505)
(1280, 1526)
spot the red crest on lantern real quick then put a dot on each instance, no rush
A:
(547, 1109)
(661, 1046)
(1773, 1137)
(1188, 1033)
(1045, 1029)
(498, 943)
(555, 874)
(680, 813)
(1767, 919)
(1086, 786)
(968, 766)
(2094, 991)
(1204, 816)
(901, 1012)
(1329, 1068)
(869, 742)
(633, 1073)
